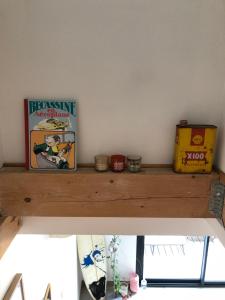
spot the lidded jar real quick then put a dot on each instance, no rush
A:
(118, 163)
(134, 163)
(101, 163)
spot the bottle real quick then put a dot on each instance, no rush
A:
(143, 283)
(134, 282)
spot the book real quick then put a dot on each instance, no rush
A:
(50, 134)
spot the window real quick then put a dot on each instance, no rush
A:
(215, 268)
(181, 260)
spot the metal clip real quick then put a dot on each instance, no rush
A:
(216, 201)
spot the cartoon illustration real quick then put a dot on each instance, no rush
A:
(52, 124)
(51, 151)
(93, 263)
(94, 258)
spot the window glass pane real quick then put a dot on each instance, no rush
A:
(173, 257)
(215, 267)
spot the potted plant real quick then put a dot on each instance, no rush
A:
(113, 250)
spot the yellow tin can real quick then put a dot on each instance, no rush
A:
(194, 148)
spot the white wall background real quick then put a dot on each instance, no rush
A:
(41, 260)
(137, 66)
(221, 148)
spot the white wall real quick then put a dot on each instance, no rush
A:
(221, 140)
(126, 256)
(42, 260)
(137, 66)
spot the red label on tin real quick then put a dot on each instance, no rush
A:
(197, 136)
(195, 155)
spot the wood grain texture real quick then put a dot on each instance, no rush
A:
(222, 177)
(9, 226)
(155, 192)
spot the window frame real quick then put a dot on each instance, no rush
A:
(165, 282)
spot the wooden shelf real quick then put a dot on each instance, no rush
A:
(154, 192)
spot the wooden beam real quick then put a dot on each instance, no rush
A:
(9, 226)
(152, 193)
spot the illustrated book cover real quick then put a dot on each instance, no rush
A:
(50, 134)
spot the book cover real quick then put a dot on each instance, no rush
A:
(50, 134)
